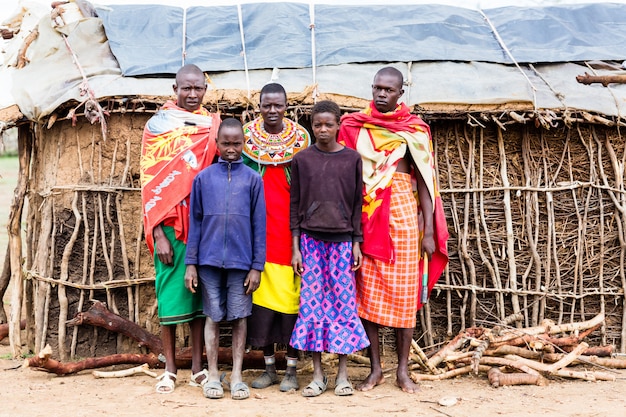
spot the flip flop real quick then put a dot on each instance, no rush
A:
(315, 388)
(194, 379)
(264, 380)
(213, 390)
(167, 383)
(239, 391)
(343, 388)
(289, 382)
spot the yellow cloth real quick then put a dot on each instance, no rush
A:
(279, 289)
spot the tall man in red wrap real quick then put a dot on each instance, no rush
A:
(178, 142)
(400, 228)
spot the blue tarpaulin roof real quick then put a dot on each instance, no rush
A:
(151, 39)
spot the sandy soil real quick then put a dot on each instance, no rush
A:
(28, 392)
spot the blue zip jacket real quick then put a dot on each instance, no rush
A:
(227, 218)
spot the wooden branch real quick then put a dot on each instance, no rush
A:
(360, 359)
(142, 369)
(478, 354)
(98, 315)
(567, 359)
(446, 375)
(586, 375)
(511, 362)
(499, 379)
(547, 327)
(454, 344)
(423, 358)
(605, 80)
(43, 361)
(4, 328)
(22, 60)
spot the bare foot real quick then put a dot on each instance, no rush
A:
(371, 381)
(407, 384)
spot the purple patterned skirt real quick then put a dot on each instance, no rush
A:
(328, 320)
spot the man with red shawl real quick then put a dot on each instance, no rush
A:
(178, 142)
(402, 231)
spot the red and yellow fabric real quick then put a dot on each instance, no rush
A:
(383, 139)
(177, 144)
(271, 155)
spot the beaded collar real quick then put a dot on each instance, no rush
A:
(274, 148)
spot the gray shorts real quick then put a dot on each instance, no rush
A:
(223, 294)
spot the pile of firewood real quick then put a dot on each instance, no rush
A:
(518, 356)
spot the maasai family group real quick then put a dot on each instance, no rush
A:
(313, 245)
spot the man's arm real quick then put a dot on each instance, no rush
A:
(426, 204)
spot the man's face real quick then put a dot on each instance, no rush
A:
(386, 91)
(273, 106)
(230, 143)
(190, 89)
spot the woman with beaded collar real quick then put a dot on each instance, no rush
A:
(271, 140)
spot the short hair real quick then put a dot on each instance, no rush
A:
(273, 88)
(326, 106)
(189, 69)
(230, 122)
(393, 72)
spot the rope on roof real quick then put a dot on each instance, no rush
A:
(508, 52)
(184, 43)
(243, 48)
(315, 92)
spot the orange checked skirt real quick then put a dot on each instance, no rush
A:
(388, 293)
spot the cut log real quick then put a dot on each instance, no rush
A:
(99, 315)
(4, 328)
(497, 378)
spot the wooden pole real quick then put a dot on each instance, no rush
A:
(15, 239)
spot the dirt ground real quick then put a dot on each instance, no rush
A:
(33, 393)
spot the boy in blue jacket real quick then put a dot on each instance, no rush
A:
(226, 250)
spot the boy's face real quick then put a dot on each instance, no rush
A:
(325, 128)
(230, 143)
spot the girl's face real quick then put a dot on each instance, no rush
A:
(325, 128)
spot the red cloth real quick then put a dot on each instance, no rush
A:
(385, 131)
(277, 230)
(179, 145)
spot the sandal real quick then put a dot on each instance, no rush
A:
(343, 388)
(239, 391)
(213, 390)
(315, 388)
(264, 380)
(289, 382)
(167, 383)
(194, 379)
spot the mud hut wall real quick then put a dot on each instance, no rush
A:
(536, 220)
(535, 216)
(88, 239)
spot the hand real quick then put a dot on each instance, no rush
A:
(191, 278)
(252, 282)
(296, 262)
(162, 246)
(357, 256)
(428, 245)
